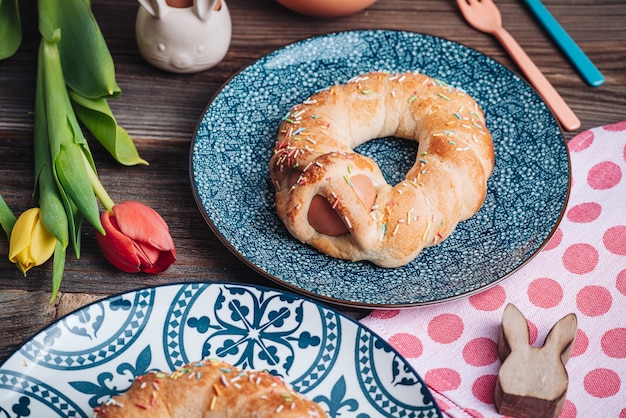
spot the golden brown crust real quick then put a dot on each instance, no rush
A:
(209, 389)
(447, 184)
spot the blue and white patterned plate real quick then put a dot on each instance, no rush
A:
(97, 351)
(526, 197)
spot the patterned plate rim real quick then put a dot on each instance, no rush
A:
(261, 288)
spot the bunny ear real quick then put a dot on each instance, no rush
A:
(561, 337)
(513, 333)
(203, 8)
(156, 8)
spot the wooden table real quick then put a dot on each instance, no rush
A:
(160, 111)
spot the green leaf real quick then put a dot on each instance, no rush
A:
(86, 60)
(53, 214)
(66, 142)
(54, 89)
(10, 28)
(58, 266)
(77, 133)
(97, 117)
(7, 218)
(53, 145)
(75, 181)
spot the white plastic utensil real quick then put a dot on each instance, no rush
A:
(484, 16)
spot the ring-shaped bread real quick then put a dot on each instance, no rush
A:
(209, 389)
(337, 200)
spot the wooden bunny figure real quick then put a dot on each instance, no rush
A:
(532, 382)
(183, 36)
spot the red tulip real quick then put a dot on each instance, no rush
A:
(137, 239)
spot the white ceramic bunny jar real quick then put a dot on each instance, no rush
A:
(183, 36)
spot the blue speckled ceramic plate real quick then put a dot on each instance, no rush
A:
(97, 351)
(236, 135)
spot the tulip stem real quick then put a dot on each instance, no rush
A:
(97, 186)
(7, 218)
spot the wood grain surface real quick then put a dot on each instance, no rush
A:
(160, 111)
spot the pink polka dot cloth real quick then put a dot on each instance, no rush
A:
(582, 269)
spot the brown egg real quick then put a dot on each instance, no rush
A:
(323, 217)
(179, 3)
(326, 8)
(182, 4)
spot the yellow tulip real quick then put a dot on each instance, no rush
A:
(31, 243)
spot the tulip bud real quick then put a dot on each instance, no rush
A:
(137, 239)
(31, 243)
(11, 33)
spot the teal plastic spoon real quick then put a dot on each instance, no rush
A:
(579, 59)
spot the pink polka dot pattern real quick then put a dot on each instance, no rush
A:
(384, 314)
(581, 142)
(604, 175)
(580, 270)
(620, 283)
(580, 258)
(614, 239)
(480, 352)
(441, 402)
(616, 127)
(489, 300)
(445, 328)
(545, 293)
(614, 343)
(443, 379)
(474, 413)
(533, 332)
(569, 410)
(484, 387)
(585, 212)
(602, 383)
(554, 241)
(581, 342)
(594, 300)
(408, 345)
